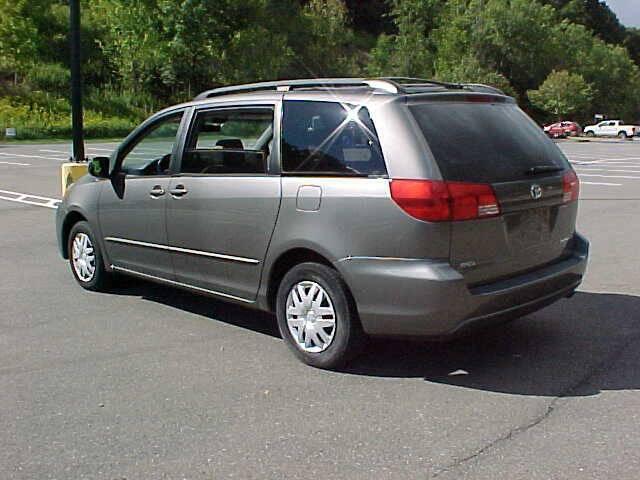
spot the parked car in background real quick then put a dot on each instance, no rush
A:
(563, 129)
(612, 128)
(318, 200)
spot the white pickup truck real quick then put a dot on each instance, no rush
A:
(612, 128)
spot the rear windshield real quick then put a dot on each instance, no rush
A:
(484, 142)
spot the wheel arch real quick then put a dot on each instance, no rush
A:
(73, 217)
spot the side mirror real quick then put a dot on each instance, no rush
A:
(99, 167)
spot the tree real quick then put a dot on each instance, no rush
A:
(18, 35)
(632, 43)
(613, 76)
(562, 94)
(593, 14)
(410, 52)
(327, 49)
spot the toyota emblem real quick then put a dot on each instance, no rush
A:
(536, 191)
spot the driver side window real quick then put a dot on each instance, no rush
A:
(151, 153)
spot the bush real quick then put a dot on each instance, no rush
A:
(117, 103)
(50, 77)
(36, 122)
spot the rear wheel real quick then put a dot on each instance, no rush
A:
(622, 135)
(85, 258)
(590, 134)
(317, 317)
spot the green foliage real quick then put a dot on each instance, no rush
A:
(327, 51)
(139, 55)
(409, 53)
(562, 94)
(18, 36)
(50, 77)
(613, 76)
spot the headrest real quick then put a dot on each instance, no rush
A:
(230, 143)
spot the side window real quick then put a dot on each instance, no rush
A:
(230, 141)
(329, 138)
(151, 153)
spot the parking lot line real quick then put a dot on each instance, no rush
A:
(101, 149)
(15, 163)
(55, 151)
(608, 176)
(17, 155)
(591, 169)
(601, 183)
(28, 199)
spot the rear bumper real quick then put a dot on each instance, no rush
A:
(415, 297)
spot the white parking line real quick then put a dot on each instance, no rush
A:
(608, 176)
(15, 163)
(36, 200)
(32, 156)
(601, 183)
(55, 151)
(614, 169)
(607, 165)
(101, 149)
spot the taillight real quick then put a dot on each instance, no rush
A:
(570, 187)
(438, 201)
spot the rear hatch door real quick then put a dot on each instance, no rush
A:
(489, 140)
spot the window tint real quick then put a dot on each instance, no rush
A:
(151, 153)
(229, 141)
(484, 142)
(329, 138)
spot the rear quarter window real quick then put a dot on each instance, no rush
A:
(329, 138)
(484, 142)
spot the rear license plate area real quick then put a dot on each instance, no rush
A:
(529, 228)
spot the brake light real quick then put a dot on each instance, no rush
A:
(570, 187)
(439, 201)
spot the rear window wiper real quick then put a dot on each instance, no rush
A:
(538, 169)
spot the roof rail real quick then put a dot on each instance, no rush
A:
(422, 82)
(286, 85)
(393, 85)
(407, 84)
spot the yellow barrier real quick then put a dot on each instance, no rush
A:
(70, 173)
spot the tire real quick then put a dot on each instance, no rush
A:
(590, 134)
(322, 288)
(622, 135)
(86, 262)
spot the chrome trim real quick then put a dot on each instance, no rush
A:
(179, 284)
(183, 250)
(395, 259)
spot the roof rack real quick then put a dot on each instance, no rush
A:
(411, 82)
(393, 85)
(287, 85)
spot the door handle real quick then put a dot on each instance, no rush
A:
(179, 191)
(157, 191)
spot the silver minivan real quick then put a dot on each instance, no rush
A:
(349, 207)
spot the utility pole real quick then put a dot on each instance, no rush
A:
(76, 82)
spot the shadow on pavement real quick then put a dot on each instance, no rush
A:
(553, 352)
(556, 351)
(208, 307)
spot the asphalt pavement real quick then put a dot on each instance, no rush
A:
(147, 382)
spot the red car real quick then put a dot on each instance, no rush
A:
(563, 129)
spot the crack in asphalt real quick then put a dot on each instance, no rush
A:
(551, 407)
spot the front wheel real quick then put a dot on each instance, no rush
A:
(317, 317)
(85, 258)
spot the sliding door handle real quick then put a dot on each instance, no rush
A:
(157, 191)
(179, 191)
